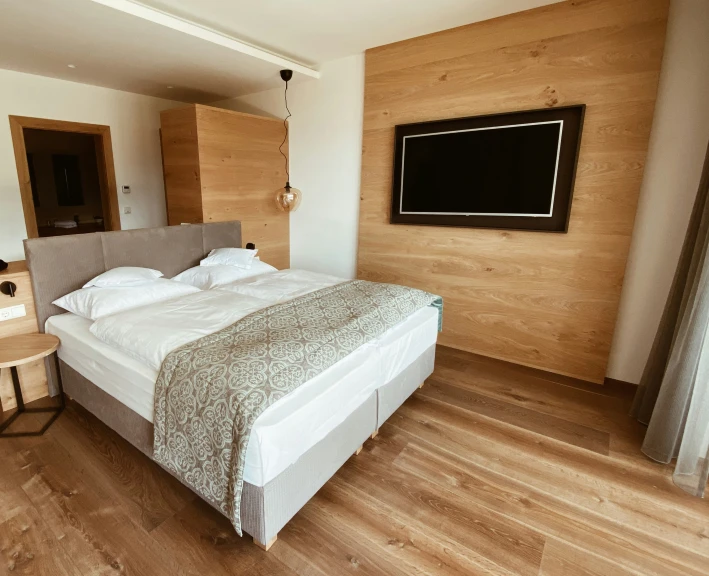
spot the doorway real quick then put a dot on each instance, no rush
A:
(66, 175)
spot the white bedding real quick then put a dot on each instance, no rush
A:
(280, 286)
(151, 332)
(123, 353)
(288, 428)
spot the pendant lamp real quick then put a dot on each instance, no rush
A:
(287, 198)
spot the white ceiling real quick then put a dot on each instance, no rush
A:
(315, 31)
(146, 51)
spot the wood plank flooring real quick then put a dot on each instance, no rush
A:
(489, 469)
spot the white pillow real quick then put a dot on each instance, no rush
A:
(239, 257)
(208, 277)
(94, 303)
(124, 276)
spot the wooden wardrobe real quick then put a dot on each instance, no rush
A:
(222, 165)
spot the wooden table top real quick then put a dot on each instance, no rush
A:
(25, 348)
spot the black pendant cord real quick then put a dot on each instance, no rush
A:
(285, 125)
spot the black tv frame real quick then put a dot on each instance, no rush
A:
(572, 116)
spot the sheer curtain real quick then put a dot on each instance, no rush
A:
(673, 396)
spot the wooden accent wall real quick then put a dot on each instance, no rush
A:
(33, 377)
(545, 300)
(183, 188)
(222, 165)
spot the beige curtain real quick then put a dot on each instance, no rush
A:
(673, 397)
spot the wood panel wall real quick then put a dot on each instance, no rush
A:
(241, 171)
(545, 300)
(223, 165)
(33, 377)
(180, 157)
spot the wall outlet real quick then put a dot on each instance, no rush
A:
(126, 210)
(126, 189)
(12, 312)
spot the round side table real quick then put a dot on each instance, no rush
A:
(23, 349)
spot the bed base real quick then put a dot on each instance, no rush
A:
(267, 546)
(395, 392)
(267, 509)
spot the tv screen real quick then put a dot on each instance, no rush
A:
(502, 171)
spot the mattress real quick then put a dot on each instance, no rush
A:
(288, 428)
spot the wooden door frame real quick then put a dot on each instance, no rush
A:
(104, 160)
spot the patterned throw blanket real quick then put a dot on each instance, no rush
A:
(211, 391)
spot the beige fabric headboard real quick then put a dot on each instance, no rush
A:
(62, 264)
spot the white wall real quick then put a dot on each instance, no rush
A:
(678, 144)
(134, 122)
(326, 152)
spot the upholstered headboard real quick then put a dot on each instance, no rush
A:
(62, 264)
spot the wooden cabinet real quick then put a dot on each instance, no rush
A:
(33, 377)
(222, 165)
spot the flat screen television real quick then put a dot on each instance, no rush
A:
(512, 171)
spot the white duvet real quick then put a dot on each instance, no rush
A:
(281, 286)
(150, 333)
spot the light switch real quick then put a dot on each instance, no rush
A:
(19, 311)
(126, 189)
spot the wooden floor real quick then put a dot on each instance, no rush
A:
(489, 469)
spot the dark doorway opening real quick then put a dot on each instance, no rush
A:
(64, 177)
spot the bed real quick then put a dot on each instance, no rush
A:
(299, 442)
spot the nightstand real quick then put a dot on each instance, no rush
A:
(23, 349)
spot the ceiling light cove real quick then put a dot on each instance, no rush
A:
(186, 27)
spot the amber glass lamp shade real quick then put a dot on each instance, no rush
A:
(288, 198)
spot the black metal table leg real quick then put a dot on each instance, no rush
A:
(21, 409)
(18, 399)
(18, 391)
